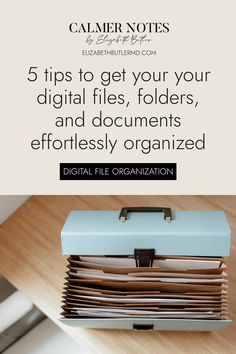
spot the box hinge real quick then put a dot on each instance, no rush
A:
(144, 257)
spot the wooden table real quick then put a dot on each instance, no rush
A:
(30, 258)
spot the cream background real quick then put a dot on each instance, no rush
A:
(201, 37)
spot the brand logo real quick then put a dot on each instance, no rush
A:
(117, 27)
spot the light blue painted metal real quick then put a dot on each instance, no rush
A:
(158, 324)
(192, 233)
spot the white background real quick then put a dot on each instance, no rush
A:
(201, 37)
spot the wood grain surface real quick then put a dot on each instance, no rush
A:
(30, 258)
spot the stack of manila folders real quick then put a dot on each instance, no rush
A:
(173, 288)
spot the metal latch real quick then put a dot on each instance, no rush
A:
(143, 326)
(144, 257)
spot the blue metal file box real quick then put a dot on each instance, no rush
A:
(146, 268)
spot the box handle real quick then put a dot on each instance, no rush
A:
(124, 212)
